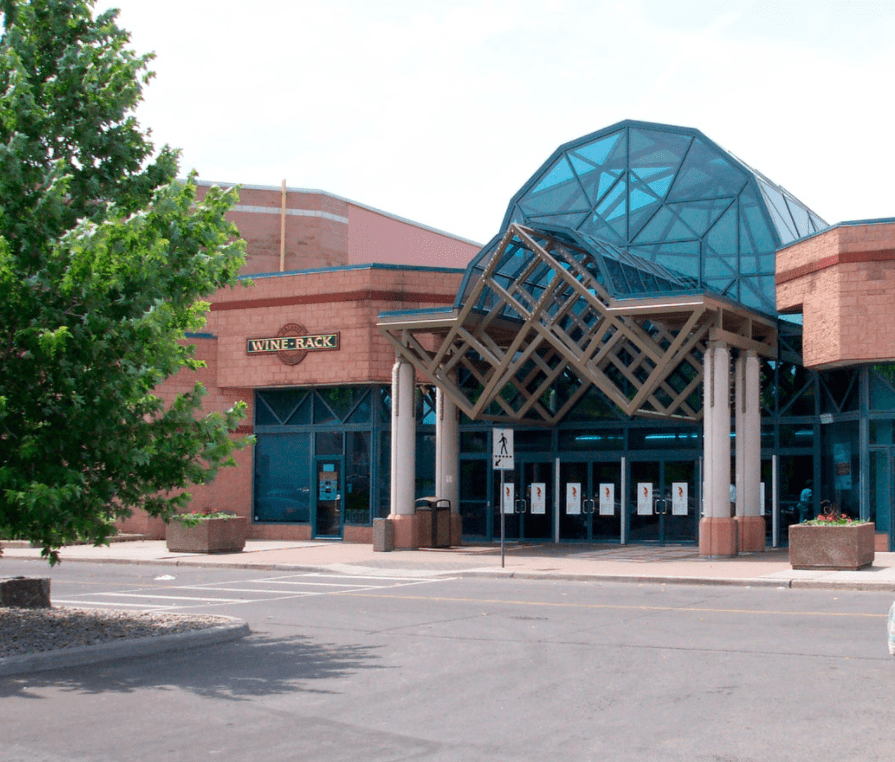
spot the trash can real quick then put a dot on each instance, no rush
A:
(437, 510)
(383, 536)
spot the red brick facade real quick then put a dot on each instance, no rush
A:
(376, 263)
(843, 283)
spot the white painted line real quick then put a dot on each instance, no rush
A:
(234, 590)
(101, 604)
(171, 597)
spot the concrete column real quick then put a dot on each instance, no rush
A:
(750, 522)
(403, 456)
(447, 459)
(717, 529)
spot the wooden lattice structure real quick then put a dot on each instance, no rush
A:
(539, 329)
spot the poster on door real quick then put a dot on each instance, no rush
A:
(644, 498)
(509, 497)
(679, 502)
(538, 498)
(607, 499)
(573, 498)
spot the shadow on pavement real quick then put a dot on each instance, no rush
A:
(258, 665)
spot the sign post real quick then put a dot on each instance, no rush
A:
(502, 460)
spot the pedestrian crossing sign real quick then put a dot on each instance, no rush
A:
(502, 443)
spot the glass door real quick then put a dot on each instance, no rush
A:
(664, 507)
(882, 490)
(575, 507)
(681, 518)
(527, 501)
(328, 491)
(537, 491)
(606, 488)
(645, 522)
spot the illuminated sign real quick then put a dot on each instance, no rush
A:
(292, 344)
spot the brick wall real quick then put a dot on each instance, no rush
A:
(843, 283)
(322, 231)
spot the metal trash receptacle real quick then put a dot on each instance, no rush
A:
(439, 510)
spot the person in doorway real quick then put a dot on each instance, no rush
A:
(806, 502)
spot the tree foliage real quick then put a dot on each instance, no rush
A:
(104, 259)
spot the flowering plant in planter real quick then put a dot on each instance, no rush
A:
(207, 531)
(193, 518)
(831, 541)
(830, 517)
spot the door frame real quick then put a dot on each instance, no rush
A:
(318, 460)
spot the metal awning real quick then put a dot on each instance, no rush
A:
(533, 349)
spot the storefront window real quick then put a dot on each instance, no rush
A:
(594, 439)
(881, 432)
(840, 466)
(665, 438)
(797, 435)
(882, 387)
(425, 465)
(328, 443)
(357, 477)
(474, 497)
(283, 477)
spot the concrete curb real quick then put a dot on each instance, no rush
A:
(125, 649)
(342, 568)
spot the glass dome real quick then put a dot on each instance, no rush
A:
(658, 208)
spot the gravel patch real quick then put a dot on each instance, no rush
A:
(31, 631)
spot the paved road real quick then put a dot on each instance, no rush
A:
(469, 669)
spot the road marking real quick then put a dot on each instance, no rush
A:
(116, 604)
(167, 597)
(157, 596)
(619, 607)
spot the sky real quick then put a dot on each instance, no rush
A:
(440, 110)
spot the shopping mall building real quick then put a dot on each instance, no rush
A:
(684, 352)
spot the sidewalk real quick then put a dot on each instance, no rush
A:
(672, 564)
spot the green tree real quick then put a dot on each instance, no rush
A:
(104, 260)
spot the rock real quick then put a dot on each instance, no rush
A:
(25, 592)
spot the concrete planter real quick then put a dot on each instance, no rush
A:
(841, 548)
(208, 536)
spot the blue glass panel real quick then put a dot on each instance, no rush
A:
(322, 413)
(882, 387)
(779, 213)
(566, 220)
(665, 226)
(651, 148)
(723, 235)
(566, 197)
(637, 199)
(701, 215)
(660, 184)
(282, 477)
(756, 236)
(706, 174)
(614, 204)
(750, 298)
(282, 401)
(680, 257)
(302, 415)
(800, 216)
(560, 172)
(598, 151)
(362, 412)
(721, 286)
(263, 414)
(818, 223)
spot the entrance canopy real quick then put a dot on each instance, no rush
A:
(620, 260)
(540, 328)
